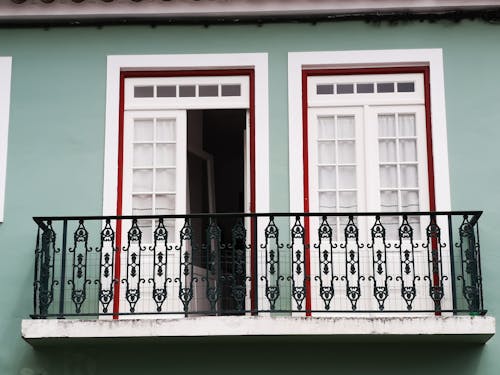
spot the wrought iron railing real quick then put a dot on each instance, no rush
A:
(294, 263)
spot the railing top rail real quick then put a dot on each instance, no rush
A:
(473, 214)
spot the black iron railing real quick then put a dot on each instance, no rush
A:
(221, 264)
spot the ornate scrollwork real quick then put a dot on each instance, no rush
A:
(133, 278)
(159, 278)
(186, 276)
(45, 285)
(298, 277)
(272, 275)
(352, 275)
(238, 276)
(380, 277)
(325, 275)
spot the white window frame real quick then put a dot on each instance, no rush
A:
(5, 78)
(433, 58)
(119, 63)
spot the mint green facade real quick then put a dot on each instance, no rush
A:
(55, 167)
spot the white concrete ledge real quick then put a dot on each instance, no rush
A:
(477, 329)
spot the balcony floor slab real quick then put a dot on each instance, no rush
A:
(456, 329)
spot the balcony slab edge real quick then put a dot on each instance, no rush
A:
(457, 329)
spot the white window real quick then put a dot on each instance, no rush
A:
(5, 73)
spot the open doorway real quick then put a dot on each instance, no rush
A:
(216, 184)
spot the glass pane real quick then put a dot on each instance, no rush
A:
(143, 91)
(391, 226)
(389, 200)
(346, 88)
(165, 154)
(408, 150)
(142, 204)
(326, 177)
(326, 152)
(165, 179)
(365, 88)
(385, 87)
(406, 86)
(208, 90)
(388, 176)
(324, 89)
(142, 180)
(386, 125)
(231, 90)
(326, 128)
(409, 200)
(348, 201)
(345, 127)
(143, 155)
(407, 125)
(187, 91)
(143, 130)
(165, 204)
(347, 177)
(387, 150)
(165, 130)
(414, 222)
(409, 176)
(327, 201)
(347, 152)
(166, 91)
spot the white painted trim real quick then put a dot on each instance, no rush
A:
(116, 64)
(453, 328)
(5, 76)
(297, 61)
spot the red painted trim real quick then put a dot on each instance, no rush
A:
(119, 211)
(119, 199)
(430, 159)
(305, 156)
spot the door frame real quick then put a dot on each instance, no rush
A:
(121, 67)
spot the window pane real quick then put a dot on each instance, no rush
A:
(165, 130)
(230, 90)
(347, 152)
(389, 200)
(345, 88)
(143, 155)
(143, 91)
(326, 128)
(142, 180)
(165, 154)
(408, 150)
(386, 125)
(388, 176)
(406, 86)
(348, 201)
(208, 90)
(409, 176)
(365, 88)
(165, 179)
(324, 89)
(326, 176)
(165, 204)
(347, 177)
(142, 204)
(391, 226)
(326, 152)
(407, 125)
(146, 227)
(143, 130)
(187, 91)
(409, 200)
(385, 87)
(166, 91)
(345, 127)
(387, 150)
(327, 201)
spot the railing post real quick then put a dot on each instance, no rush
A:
(254, 266)
(63, 270)
(36, 282)
(452, 265)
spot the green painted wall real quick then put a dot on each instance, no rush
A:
(55, 166)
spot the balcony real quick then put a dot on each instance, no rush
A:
(386, 275)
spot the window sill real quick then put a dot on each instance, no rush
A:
(457, 329)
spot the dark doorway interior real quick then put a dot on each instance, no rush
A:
(216, 184)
